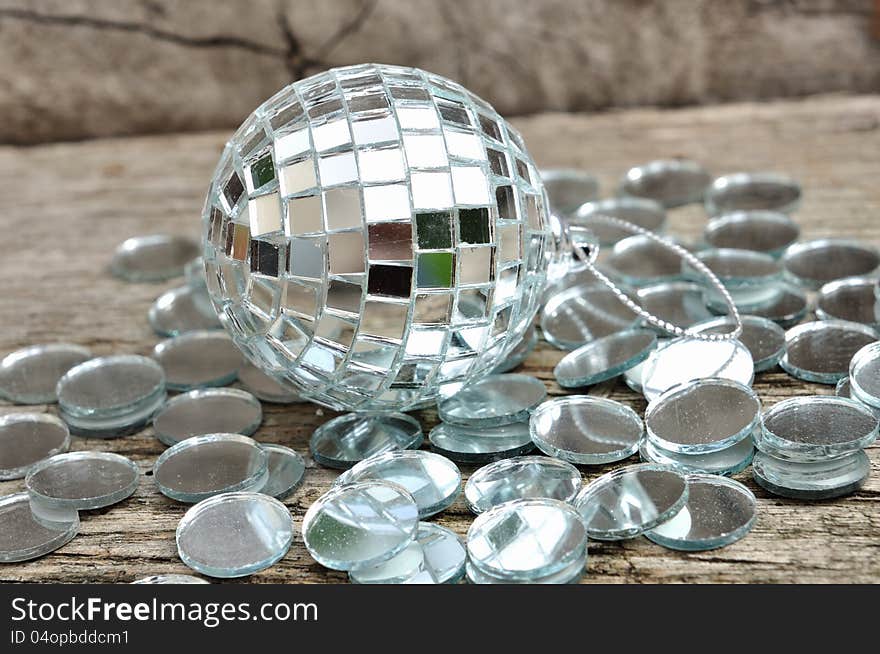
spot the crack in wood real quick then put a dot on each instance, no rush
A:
(70, 20)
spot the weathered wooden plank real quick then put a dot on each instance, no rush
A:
(66, 207)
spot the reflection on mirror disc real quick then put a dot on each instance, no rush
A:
(760, 231)
(436, 556)
(433, 480)
(519, 353)
(353, 437)
(234, 534)
(702, 416)
(111, 395)
(207, 411)
(728, 461)
(586, 430)
(264, 387)
(202, 466)
(640, 260)
(82, 480)
(671, 182)
(647, 214)
(864, 375)
(198, 359)
(718, 512)
(850, 299)
(286, 471)
(183, 309)
(631, 500)
(814, 263)
(25, 536)
(152, 258)
(360, 525)
(816, 427)
(604, 358)
(821, 351)
(570, 574)
(568, 189)
(521, 478)
(680, 303)
(481, 444)
(493, 401)
(684, 359)
(764, 339)
(582, 313)
(502, 541)
(26, 439)
(30, 375)
(752, 192)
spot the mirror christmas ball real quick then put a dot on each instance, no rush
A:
(375, 236)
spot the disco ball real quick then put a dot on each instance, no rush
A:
(376, 236)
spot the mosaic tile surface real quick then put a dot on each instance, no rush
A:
(374, 234)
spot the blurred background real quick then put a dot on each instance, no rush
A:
(77, 69)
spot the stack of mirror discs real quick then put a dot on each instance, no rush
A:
(488, 420)
(34, 446)
(704, 425)
(813, 447)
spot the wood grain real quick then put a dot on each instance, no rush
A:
(65, 207)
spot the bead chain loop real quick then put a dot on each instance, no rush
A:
(589, 259)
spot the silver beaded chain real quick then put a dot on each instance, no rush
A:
(589, 261)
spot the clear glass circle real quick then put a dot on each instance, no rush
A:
(493, 401)
(234, 534)
(28, 438)
(152, 258)
(684, 359)
(30, 375)
(202, 466)
(764, 339)
(582, 313)
(818, 480)
(198, 359)
(360, 525)
(567, 189)
(353, 437)
(702, 416)
(814, 263)
(821, 351)
(850, 299)
(604, 358)
(286, 469)
(521, 478)
(433, 480)
(671, 182)
(207, 411)
(501, 541)
(586, 430)
(728, 461)
(82, 480)
(436, 556)
(25, 536)
(184, 309)
(718, 512)
(645, 213)
(629, 501)
(476, 445)
(752, 192)
(760, 231)
(817, 427)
